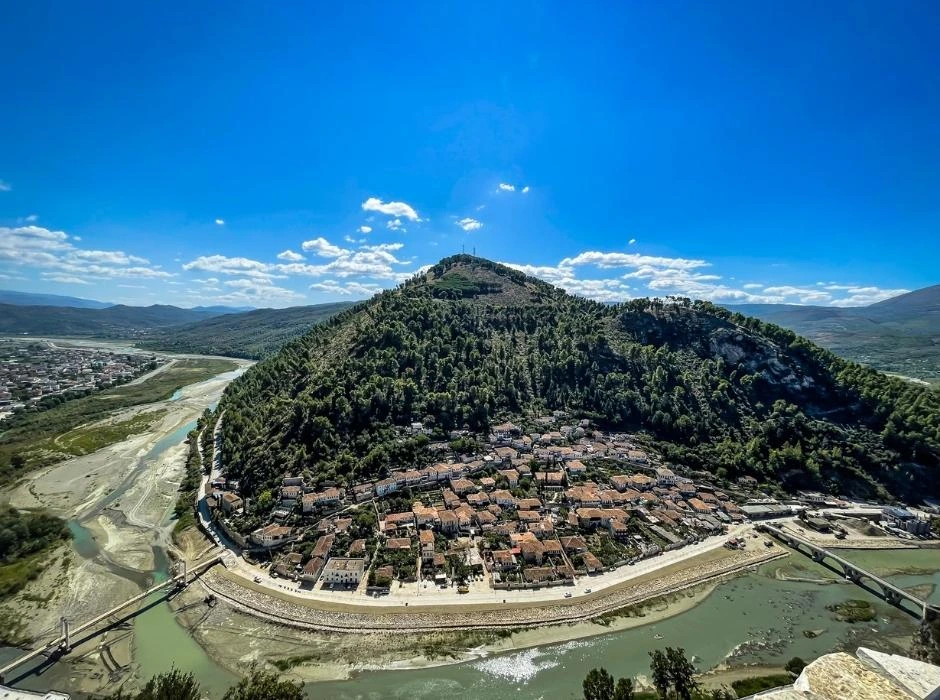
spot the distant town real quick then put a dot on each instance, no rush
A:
(37, 374)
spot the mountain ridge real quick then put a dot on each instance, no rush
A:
(249, 334)
(900, 334)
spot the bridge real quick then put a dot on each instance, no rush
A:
(885, 590)
(63, 643)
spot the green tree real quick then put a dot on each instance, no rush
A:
(172, 685)
(624, 689)
(795, 665)
(598, 685)
(659, 670)
(262, 685)
(681, 673)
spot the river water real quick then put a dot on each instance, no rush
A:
(755, 618)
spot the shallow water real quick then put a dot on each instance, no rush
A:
(751, 619)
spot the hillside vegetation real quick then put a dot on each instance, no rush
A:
(472, 342)
(250, 335)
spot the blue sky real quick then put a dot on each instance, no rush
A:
(272, 154)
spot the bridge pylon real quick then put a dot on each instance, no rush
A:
(66, 637)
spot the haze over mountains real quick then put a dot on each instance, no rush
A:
(901, 334)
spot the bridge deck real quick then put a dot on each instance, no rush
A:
(845, 563)
(60, 640)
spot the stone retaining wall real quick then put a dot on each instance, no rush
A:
(462, 617)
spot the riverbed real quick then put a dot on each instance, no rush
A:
(119, 503)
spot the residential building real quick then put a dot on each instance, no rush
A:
(344, 571)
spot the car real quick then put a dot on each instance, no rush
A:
(567, 595)
(587, 590)
(257, 579)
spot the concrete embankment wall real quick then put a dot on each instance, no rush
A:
(468, 616)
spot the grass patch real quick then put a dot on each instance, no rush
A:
(290, 662)
(749, 686)
(88, 439)
(853, 611)
(28, 441)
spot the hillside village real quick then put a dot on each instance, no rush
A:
(534, 506)
(33, 372)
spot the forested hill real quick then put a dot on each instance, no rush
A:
(472, 342)
(251, 334)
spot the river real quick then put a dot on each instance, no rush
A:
(755, 618)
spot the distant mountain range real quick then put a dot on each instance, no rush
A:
(901, 334)
(117, 321)
(252, 334)
(212, 330)
(8, 296)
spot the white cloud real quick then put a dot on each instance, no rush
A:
(225, 265)
(395, 225)
(5, 186)
(548, 273)
(631, 241)
(323, 248)
(109, 257)
(525, 190)
(63, 279)
(365, 229)
(468, 224)
(683, 277)
(290, 256)
(802, 294)
(383, 246)
(503, 187)
(51, 251)
(220, 222)
(862, 296)
(357, 289)
(396, 209)
(76, 238)
(614, 260)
